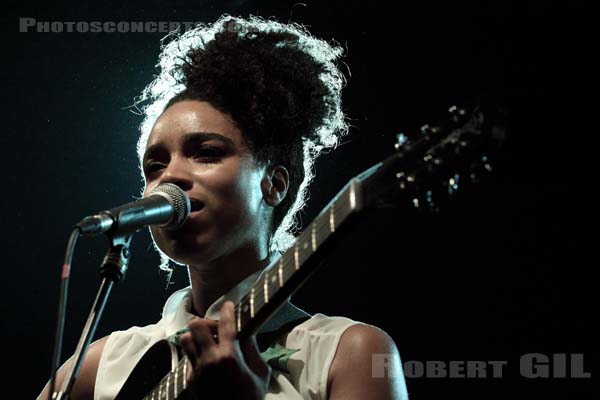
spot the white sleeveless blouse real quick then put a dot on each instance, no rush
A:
(317, 340)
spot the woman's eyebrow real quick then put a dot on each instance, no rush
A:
(192, 137)
(205, 136)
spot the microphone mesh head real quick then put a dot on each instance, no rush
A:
(180, 202)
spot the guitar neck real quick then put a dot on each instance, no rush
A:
(297, 264)
(282, 279)
(417, 175)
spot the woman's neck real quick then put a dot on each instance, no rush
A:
(212, 280)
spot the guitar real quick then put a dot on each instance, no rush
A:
(421, 174)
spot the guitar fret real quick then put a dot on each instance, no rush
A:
(252, 302)
(281, 272)
(184, 377)
(167, 392)
(351, 203)
(266, 287)
(313, 237)
(320, 230)
(175, 383)
(304, 245)
(353, 195)
(273, 278)
(272, 283)
(239, 319)
(332, 218)
(296, 263)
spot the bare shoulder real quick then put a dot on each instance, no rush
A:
(86, 381)
(366, 365)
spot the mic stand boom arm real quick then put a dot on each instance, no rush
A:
(112, 270)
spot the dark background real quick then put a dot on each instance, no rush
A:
(499, 273)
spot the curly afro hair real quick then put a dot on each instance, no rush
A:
(281, 86)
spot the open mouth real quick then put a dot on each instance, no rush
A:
(196, 205)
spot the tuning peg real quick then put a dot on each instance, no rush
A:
(458, 114)
(401, 140)
(453, 184)
(429, 130)
(431, 204)
(480, 168)
(486, 164)
(457, 110)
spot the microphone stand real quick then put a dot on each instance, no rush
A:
(112, 270)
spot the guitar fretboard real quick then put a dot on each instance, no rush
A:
(277, 279)
(274, 279)
(172, 385)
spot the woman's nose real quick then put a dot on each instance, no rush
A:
(178, 173)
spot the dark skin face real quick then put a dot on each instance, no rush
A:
(226, 236)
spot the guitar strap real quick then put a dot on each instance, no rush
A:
(284, 320)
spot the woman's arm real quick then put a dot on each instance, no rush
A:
(353, 374)
(83, 389)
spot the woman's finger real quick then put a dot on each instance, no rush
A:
(200, 330)
(189, 347)
(227, 328)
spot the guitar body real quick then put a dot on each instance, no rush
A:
(157, 362)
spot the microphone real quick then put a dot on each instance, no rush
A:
(167, 206)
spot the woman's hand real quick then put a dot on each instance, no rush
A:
(221, 368)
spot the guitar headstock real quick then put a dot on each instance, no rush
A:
(431, 168)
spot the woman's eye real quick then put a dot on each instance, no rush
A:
(205, 153)
(152, 167)
(210, 152)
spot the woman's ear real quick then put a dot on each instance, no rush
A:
(275, 185)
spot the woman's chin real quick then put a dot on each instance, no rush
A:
(187, 251)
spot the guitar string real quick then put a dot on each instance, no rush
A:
(288, 263)
(321, 226)
(176, 389)
(284, 264)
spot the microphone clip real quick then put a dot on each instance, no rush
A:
(115, 262)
